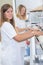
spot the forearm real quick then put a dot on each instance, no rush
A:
(21, 29)
(24, 36)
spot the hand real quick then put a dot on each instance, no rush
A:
(32, 29)
(38, 33)
(35, 29)
(28, 29)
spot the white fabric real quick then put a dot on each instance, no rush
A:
(21, 24)
(10, 47)
(9, 30)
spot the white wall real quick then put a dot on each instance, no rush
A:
(5, 1)
(30, 4)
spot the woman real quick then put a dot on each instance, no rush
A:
(10, 39)
(20, 19)
(20, 26)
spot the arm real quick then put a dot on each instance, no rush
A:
(27, 35)
(39, 33)
(24, 29)
(21, 29)
(24, 36)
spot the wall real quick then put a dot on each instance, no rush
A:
(5, 1)
(30, 4)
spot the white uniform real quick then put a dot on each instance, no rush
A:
(10, 47)
(21, 24)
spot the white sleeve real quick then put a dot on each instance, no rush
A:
(9, 30)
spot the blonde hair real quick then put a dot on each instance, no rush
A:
(19, 10)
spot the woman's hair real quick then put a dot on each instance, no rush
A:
(19, 12)
(4, 8)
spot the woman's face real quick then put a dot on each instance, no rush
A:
(23, 10)
(9, 14)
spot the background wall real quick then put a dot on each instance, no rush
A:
(5, 1)
(30, 4)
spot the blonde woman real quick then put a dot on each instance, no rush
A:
(11, 53)
(20, 26)
(20, 18)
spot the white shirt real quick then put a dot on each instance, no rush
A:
(10, 47)
(20, 24)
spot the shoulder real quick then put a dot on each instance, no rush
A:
(6, 25)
